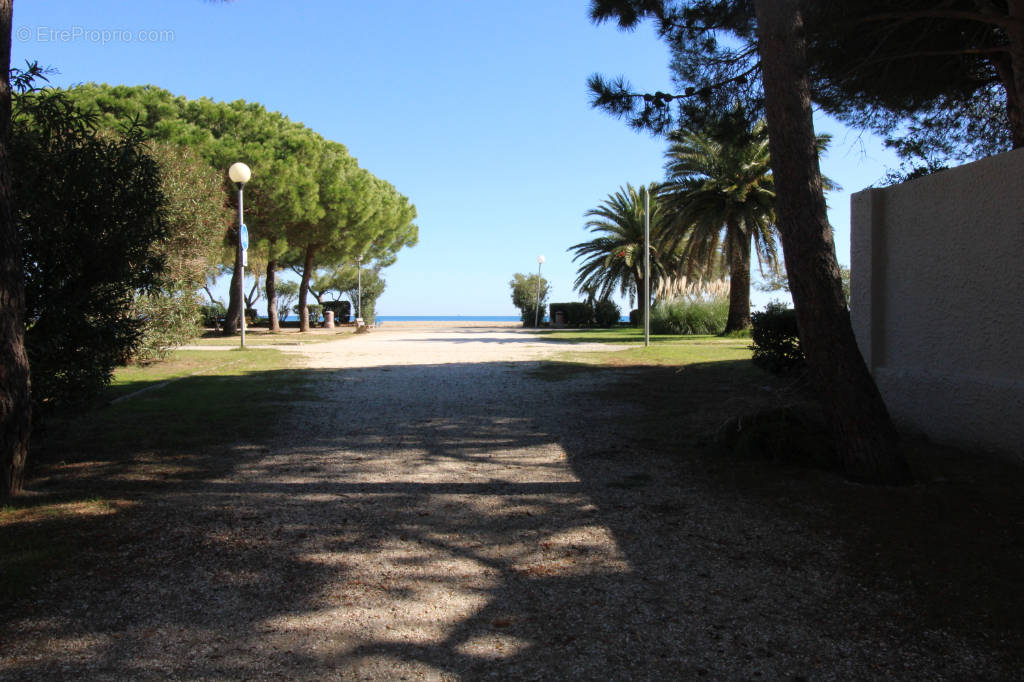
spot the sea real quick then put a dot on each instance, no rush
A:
(445, 318)
(435, 318)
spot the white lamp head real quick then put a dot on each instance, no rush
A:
(540, 259)
(239, 173)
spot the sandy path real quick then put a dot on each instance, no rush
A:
(396, 344)
(440, 505)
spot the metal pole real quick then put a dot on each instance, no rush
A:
(647, 266)
(536, 308)
(241, 273)
(359, 288)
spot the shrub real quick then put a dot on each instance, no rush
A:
(606, 313)
(636, 318)
(342, 310)
(212, 313)
(524, 296)
(577, 314)
(698, 308)
(776, 339)
(171, 320)
(89, 210)
(683, 316)
(252, 316)
(316, 312)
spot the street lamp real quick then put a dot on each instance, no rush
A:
(647, 266)
(536, 310)
(359, 289)
(240, 174)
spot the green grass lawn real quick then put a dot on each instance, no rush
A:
(263, 337)
(665, 349)
(198, 407)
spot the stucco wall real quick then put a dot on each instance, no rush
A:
(937, 300)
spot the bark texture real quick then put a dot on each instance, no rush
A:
(233, 316)
(15, 404)
(307, 272)
(272, 312)
(865, 437)
(739, 279)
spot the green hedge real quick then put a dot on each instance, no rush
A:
(607, 314)
(577, 314)
(342, 310)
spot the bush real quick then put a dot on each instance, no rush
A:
(171, 320)
(315, 312)
(776, 339)
(577, 314)
(212, 313)
(524, 296)
(252, 316)
(690, 316)
(636, 318)
(89, 210)
(607, 313)
(342, 310)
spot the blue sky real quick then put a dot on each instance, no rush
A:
(476, 110)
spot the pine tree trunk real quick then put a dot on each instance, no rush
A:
(275, 324)
(739, 279)
(15, 405)
(865, 436)
(307, 272)
(1014, 81)
(233, 316)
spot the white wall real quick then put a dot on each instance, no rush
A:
(937, 300)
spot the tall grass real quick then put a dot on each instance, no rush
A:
(695, 308)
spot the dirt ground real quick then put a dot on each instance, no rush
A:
(460, 508)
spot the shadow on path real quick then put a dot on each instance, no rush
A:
(521, 520)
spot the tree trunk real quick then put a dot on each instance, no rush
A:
(307, 271)
(865, 437)
(275, 324)
(15, 405)
(233, 316)
(1013, 76)
(739, 279)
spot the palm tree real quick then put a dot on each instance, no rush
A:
(615, 259)
(719, 196)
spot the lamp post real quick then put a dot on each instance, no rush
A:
(647, 266)
(359, 288)
(240, 174)
(536, 310)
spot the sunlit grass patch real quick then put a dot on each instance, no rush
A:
(265, 337)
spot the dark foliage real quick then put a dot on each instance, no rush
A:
(931, 83)
(88, 211)
(577, 314)
(636, 318)
(776, 340)
(933, 78)
(342, 310)
(606, 313)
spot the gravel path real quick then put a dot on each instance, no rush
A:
(457, 510)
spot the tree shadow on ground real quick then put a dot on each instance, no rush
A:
(475, 520)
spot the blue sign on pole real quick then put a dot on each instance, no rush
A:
(243, 236)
